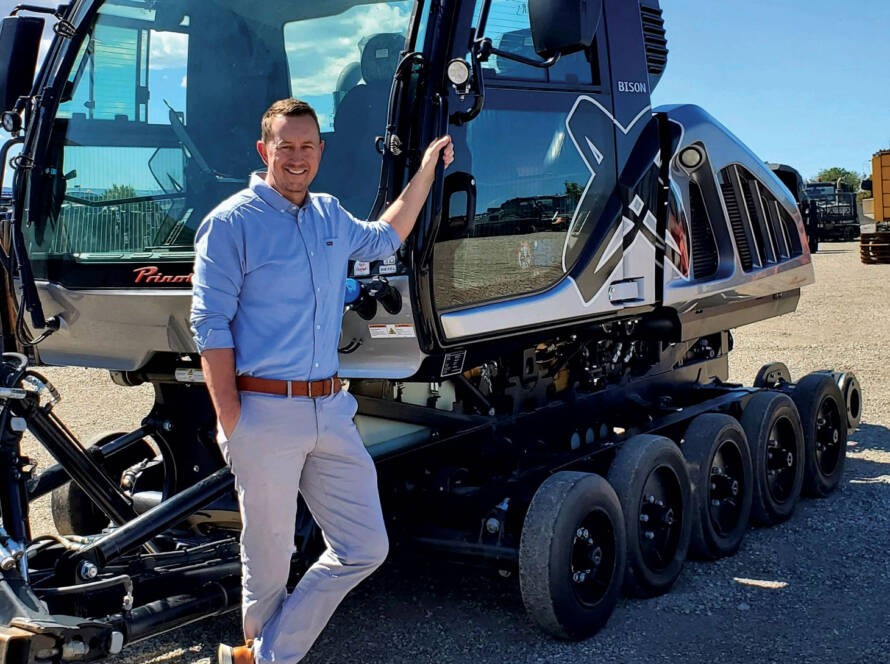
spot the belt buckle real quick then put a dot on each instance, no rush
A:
(309, 388)
(289, 389)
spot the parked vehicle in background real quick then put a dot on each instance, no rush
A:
(837, 216)
(880, 178)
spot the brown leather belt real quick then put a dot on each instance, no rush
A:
(289, 388)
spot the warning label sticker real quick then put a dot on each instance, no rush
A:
(189, 375)
(391, 330)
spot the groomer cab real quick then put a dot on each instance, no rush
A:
(569, 202)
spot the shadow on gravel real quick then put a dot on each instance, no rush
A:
(868, 455)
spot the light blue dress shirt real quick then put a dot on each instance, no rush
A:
(270, 278)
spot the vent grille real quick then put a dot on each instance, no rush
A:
(704, 246)
(735, 220)
(655, 39)
(777, 227)
(795, 245)
(760, 241)
(758, 220)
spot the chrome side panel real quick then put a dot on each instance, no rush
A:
(730, 283)
(121, 329)
(114, 329)
(561, 303)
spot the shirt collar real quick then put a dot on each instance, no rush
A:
(273, 198)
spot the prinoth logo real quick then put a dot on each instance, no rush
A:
(632, 87)
(151, 274)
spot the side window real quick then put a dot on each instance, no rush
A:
(127, 73)
(362, 46)
(527, 191)
(509, 30)
(121, 141)
(346, 77)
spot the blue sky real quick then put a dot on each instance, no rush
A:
(804, 82)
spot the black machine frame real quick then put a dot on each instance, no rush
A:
(461, 494)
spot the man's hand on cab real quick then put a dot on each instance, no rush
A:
(441, 145)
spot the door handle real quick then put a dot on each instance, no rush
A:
(626, 290)
(456, 183)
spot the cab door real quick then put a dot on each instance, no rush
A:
(541, 157)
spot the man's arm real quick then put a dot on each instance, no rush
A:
(403, 212)
(215, 288)
(218, 365)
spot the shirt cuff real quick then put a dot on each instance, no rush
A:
(214, 338)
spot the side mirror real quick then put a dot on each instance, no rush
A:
(19, 45)
(563, 26)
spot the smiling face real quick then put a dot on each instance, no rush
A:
(292, 151)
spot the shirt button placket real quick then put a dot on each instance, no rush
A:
(300, 214)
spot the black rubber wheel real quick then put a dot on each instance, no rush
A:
(572, 554)
(721, 473)
(772, 374)
(823, 416)
(73, 512)
(772, 425)
(650, 477)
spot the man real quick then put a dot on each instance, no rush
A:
(270, 268)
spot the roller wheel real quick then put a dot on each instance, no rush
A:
(772, 374)
(73, 512)
(823, 416)
(720, 470)
(572, 555)
(650, 477)
(772, 425)
(852, 392)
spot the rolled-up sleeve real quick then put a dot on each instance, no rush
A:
(370, 240)
(216, 283)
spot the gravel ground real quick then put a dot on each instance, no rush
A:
(820, 580)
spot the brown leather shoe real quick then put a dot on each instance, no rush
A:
(235, 654)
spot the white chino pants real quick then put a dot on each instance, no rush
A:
(281, 446)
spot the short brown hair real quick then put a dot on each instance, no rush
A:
(289, 107)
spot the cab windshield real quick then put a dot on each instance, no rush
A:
(162, 107)
(820, 190)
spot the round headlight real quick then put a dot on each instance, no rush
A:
(691, 157)
(11, 121)
(458, 71)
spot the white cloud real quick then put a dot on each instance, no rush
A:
(169, 50)
(318, 50)
(183, 83)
